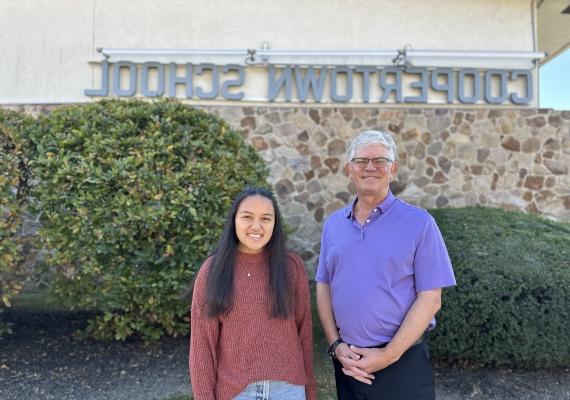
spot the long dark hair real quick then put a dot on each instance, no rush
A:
(220, 282)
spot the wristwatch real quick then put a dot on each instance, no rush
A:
(333, 347)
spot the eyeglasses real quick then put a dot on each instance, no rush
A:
(378, 162)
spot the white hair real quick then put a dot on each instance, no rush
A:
(372, 137)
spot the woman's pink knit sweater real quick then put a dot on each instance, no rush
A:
(246, 345)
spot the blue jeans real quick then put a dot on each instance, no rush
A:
(272, 390)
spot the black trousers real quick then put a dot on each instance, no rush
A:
(409, 378)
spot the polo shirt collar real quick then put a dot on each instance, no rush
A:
(384, 205)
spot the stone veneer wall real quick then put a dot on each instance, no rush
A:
(516, 159)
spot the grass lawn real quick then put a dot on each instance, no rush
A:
(37, 300)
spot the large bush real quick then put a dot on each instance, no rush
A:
(511, 305)
(14, 189)
(132, 197)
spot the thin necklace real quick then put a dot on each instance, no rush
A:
(246, 267)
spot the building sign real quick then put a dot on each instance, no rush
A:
(315, 84)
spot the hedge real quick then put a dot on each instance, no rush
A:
(132, 197)
(14, 190)
(511, 305)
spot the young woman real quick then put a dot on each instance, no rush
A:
(251, 328)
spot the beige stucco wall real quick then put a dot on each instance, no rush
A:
(46, 47)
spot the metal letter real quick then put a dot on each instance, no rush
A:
(104, 91)
(275, 85)
(233, 82)
(366, 81)
(117, 79)
(310, 81)
(334, 95)
(528, 98)
(422, 84)
(448, 86)
(388, 88)
(476, 86)
(215, 81)
(144, 79)
(180, 80)
(503, 95)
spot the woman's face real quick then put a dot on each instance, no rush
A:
(255, 219)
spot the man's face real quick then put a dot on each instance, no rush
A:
(370, 179)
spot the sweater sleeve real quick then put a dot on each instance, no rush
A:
(303, 319)
(204, 333)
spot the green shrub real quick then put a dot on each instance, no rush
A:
(511, 305)
(133, 196)
(14, 189)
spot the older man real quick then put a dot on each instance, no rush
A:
(381, 268)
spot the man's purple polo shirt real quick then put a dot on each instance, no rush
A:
(375, 270)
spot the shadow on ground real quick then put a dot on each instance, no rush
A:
(41, 360)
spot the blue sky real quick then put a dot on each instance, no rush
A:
(555, 83)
